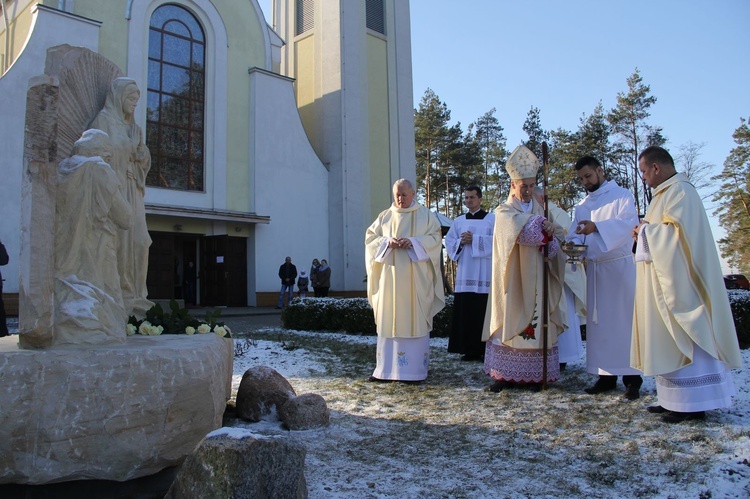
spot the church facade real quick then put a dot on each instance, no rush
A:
(266, 141)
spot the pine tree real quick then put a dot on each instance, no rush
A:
(431, 137)
(491, 142)
(628, 122)
(533, 128)
(733, 197)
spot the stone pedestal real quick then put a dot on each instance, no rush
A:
(109, 412)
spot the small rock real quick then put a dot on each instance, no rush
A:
(262, 391)
(305, 412)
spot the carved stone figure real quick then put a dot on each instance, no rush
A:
(131, 161)
(90, 211)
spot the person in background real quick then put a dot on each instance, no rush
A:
(469, 242)
(287, 274)
(404, 285)
(191, 278)
(314, 276)
(302, 283)
(324, 278)
(683, 330)
(4, 259)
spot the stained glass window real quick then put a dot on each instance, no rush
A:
(175, 100)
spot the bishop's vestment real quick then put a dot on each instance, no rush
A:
(513, 322)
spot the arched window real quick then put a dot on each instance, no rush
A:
(176, 87)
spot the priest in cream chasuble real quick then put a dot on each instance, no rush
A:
(683, 331)
(514, 319)
(404, 284)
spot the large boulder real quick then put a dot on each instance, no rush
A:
(113, 412)
(305, 412)
(261, 392)
(236, 463)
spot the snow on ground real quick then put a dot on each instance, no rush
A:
(448, 437)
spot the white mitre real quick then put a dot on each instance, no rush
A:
(522, 163)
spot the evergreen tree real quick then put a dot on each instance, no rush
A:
(491, 143)
(533, 128)
(563, 187)
(628, 122)
(733, 197)
(431, 138)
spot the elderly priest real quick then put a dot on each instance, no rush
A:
(404, 285)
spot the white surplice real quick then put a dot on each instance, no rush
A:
(610, 277)
(474, 260)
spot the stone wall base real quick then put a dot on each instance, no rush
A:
(109, 412)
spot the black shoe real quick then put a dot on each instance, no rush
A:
(602, 385)
(499, 386)
(411, 381)
(679, 417)
(373, 379)
(656, 409)
(632, 392)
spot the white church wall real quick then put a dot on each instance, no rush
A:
(50, 28)
(289, 181)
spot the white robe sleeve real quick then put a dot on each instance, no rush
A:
(417, 252)
(453, 242)
(382, 253)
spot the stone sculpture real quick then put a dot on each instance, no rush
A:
(90, 212)
(131, 161)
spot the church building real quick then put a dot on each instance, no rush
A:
(271, 134)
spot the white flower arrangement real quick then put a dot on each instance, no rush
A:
(144, 327)
(176, 321)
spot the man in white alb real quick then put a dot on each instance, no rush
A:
(604, 221)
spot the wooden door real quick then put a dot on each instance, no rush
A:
(223, 271)
(160, 279)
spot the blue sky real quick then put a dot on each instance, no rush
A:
(565, 56)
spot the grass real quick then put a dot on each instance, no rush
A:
(516, 443)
